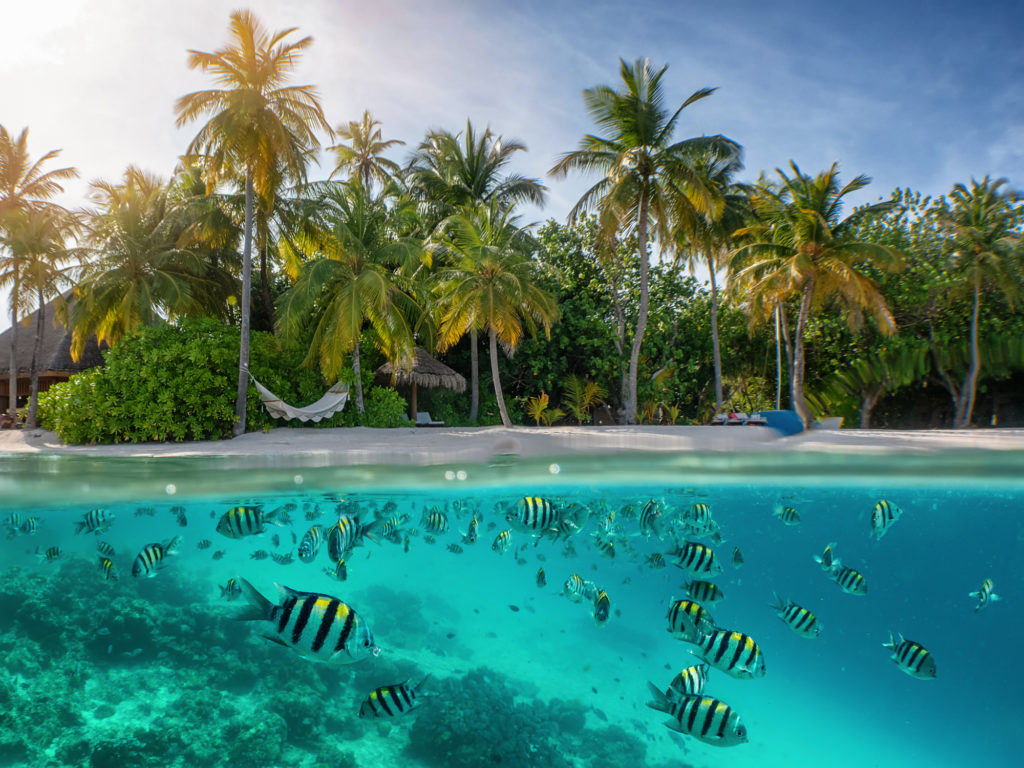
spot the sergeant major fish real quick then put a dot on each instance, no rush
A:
(94, 521)
(688, 620)
(602, 607)
(315, 625)
(706, 719)
(239, 522)
(800, 620)
(985, 595)
(153, 556)
(883, 517)
(787, 515)
(734, 653)
(696, 558)
(502, 542)
(689, 682)
(231, 591)
(391, 700)
(911, 657)
(310, 544)
(532, 514)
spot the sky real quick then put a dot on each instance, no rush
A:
(918, 94)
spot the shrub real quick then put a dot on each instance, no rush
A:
(385, 408)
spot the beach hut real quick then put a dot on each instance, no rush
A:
(54, 362)
(421, 371)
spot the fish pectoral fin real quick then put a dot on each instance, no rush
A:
(273, 639)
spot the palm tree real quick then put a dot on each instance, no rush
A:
(707, 240)
(801, 247)
(135, 271)
(450, 172)
(258, 125)
(37, 238)
(362, 157)
(355, 274)
(984, 229)
(648, 183)
(491, 284)
(24, 185)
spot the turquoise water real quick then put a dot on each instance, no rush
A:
(155, 671)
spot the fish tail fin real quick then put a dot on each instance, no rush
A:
(994, 596)
(779, 604)
(418, 688)
(974, 594)
(79, 527)
(893, 641)
(659, 701)
(259, 607)
(369, 531)
(171, 547)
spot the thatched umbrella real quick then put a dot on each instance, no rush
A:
(421, 371)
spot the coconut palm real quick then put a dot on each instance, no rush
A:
(135, 272)
(259, 126)
(801, 247)
(24, 185)
(449, 172)
(362, 158)
(355, 273)
(491, 284)
(987, 253)
(707, 240)
(38, 239)
(648, 183)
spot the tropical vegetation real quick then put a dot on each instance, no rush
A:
(902, 312)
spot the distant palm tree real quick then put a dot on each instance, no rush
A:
(362, 158)
(259, 125)
(648, 181)
(708, 241)
(988, 255)
(355, 273)
(38, 239)
(451, 172)
(491, 284)
(801, 247)
(24, 185)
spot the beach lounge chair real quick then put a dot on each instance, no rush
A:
(736, 420)
(423, 420)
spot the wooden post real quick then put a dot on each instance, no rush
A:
(412, 405)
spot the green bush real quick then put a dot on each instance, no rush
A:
(178, 382)
(385, 408)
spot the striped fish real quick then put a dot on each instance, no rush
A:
(435, 520)
(605, 545)
(231, 591)
(391, 700)
(30, 527)
(602, 607)
(650, 517)
(704, 591)
(13, 522)
(911, 657)
(310, 544)
(347, 533)
(574, 587)
(50, 555)
(826, 557)
(239, 522)
(787, 515)
(152, 557)
(204, 544)
(985, 595)
(502, 542)
(734, 653)
(656, 561)
(532, 514)
(849, 580)
(883, 517)
(697, 519)
(455, 549)
(94, 521)
(339, 571)
(180, 516)
(470, 536)
(689, 682)
(688, 620)
(285, 559)
(737, 557)
(316, 626)
(259, 554)
(107, 568)
(709, 720)
(105, 549)
(698, 559)
(800, 620)
(541, 578)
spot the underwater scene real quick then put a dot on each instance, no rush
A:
(621, 612)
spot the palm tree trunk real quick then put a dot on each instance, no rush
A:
(268, 311)
(243, 352)
(641, 319)
(868, 400)
(965, 403)
(714, 337)
(474, 375)
(359, 378)
(497, 380)
(799, 405)
(13, 370)
(784, 323)
(33, 398)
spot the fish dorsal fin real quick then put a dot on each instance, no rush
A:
(289, 592)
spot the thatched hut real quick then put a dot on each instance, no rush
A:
(54, 363)
(421, 370)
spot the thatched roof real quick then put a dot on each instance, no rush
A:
(55, 352)
(425, 371)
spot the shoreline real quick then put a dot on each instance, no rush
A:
(440, 445)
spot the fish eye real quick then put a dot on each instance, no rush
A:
(742, 731)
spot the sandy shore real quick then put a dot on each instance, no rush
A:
(424, 446)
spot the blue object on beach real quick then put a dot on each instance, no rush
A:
(787, 422)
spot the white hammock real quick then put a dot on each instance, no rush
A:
(328, 405)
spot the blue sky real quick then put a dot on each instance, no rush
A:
(912, 94)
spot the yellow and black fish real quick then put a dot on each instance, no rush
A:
(30, 527)
(470, 536)
(787, 515)
(502, 542)
(434, 520)
(605, 544)
(800, 620)
(737, 557)
(105, 549)
(826, 557)
(231, 590)
(94, 521)
(574, 588)
(532, 514)
(204, 544)
(734, 653)
(239, 522)
(315, 625)
(707, 719)
(911, 657)
(849, 580)
(602, 607)
(51, 554)
(152, 557)
(310, 544)
(650, 517)
(985, 595)
(688, 620)
(697, 559)
(391, 700)
(697, 519)
(656, 561)
(339, 571)
(108, 569)
(541, 578)
(689, 682)
(704, 591)
(883, 517)
(455, 549)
